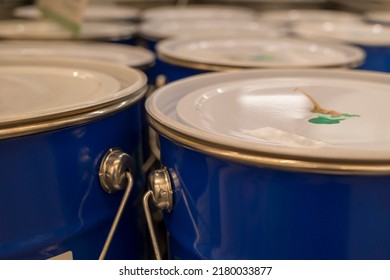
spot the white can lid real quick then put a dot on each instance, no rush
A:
(363, 5)
(245, 52)
(48, 30)
(359, 33)
(378, 16)
(115, 53)
(163, 29)
(270, 112)
(276, 1)
(47, 88)
(308, 15)
(197, 12)
(95, 12)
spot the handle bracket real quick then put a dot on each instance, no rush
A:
(113, 168)
(162, 196)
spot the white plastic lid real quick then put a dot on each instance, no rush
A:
(260, 53)
(309, 15)
(359, 33)
(270, 111)
(95, 12)
(378, 16)
(115, 53)
(363, 5)
(208, 27)
(48, 30)
(197, 12)
(276, 1)
(40, 87)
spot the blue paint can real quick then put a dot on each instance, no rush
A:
(184, 57)
(275, 164)
(373, 38)
(60, 119)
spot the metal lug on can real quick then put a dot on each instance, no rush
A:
(162, 196)
(113, 168)
(160, 185)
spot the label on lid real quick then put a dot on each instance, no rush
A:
(68, 13)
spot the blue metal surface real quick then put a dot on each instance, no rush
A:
(227, 210)
(124, 41)
(149, 44)
(51, 199)
(174, 72)
(377, 58)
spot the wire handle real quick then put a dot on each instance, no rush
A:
(115, 175)
(118, 216)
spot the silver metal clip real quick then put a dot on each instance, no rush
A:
(162, 197)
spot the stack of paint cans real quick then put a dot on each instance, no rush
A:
(73, 112)
(231, 130)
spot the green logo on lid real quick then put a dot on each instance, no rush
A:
(324, 116)
(328, 119)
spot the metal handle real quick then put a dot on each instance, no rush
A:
(161, 80)
(162, 197)
(154, 143)
(115, 175)
(153, 139)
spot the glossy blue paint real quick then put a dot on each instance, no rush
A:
(158, 67)
(228, 210)
(175, 72)
(377, 58)
(148, 43)
(124, 40)
(51, 199)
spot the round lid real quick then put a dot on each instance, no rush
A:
(259, 53)
(42, 89)
(332, 116)
(48, 30)
(276, 1)
(115, 53)
(309, 15)
(378, 16)
(363, 5)
(196, 12)
(208, 27)
(95, 12)
(359, 33)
